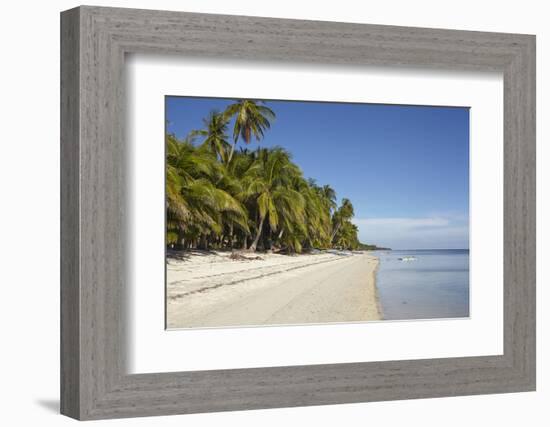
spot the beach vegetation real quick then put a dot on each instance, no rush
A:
(221, 197)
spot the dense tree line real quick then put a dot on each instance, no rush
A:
(219, 196)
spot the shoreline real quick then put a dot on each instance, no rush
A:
(376, 290)
(424, 284)
(212, 290)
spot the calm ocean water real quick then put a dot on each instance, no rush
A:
(434, 285)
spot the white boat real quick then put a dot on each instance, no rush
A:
(407, 258)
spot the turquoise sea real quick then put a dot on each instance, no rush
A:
(424, 284)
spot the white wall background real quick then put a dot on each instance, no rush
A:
(29, 214)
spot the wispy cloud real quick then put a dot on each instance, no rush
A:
(418, 233)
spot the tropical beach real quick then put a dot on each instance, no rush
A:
(284, 212)
(212, 289)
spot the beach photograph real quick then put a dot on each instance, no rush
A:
(286, 212)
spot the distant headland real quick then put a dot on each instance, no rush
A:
(367, 247)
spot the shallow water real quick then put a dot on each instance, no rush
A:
(434, 285)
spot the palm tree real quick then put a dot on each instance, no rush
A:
(329, 195)
(235, 172)
(347, 236)
(251, 119)
(209, 205)
(317, 214)
(181, 166)
(343, 213)
(215, 133)
(268, 184)
(196, 206)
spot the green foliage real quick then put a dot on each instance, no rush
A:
(215, 135)
(221, 198)
(251, 119)
(171, 238)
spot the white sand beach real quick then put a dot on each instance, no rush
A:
(213, 290)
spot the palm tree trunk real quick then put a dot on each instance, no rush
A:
(203, 243)
(231, 152)
(334, 232)
(258, 234)
(181, 238)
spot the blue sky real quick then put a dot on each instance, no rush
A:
(405, 168)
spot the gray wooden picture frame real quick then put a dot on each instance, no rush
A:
(94, 382)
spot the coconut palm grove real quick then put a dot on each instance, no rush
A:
(221, 194)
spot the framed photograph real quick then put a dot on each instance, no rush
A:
(261, 213)
(252, 240)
